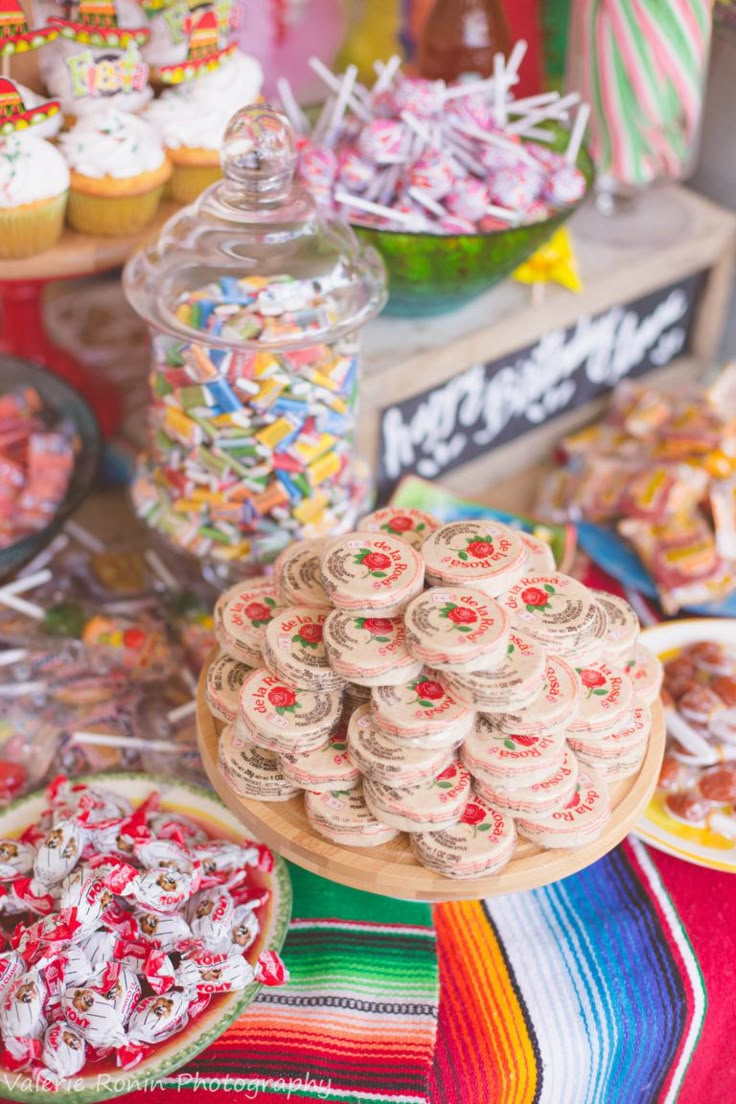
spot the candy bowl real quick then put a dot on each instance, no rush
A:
(200, 818)
(430, 274)
(61, 403)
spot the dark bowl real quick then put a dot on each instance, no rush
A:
(62, 401)
(434, 273)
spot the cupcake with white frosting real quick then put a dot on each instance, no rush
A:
(34, 185)
(118, 171)
(191, 120)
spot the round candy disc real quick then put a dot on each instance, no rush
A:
(294, 648)
(420, 707)
(298, 575)
(369, 651)
(480, 554)
(371, 572)
(402, 522)
(448, 627)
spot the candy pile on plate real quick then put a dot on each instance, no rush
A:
(662, 466)
(121, 925)
(251, 449)
(441, 680)
(36, 464)
(424, 156)
(699, 769)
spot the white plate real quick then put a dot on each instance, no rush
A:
(656, 827)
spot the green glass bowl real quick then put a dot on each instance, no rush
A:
(434, 273)
(62, 401)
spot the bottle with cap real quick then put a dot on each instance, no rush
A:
(460, 38)
(254, 299)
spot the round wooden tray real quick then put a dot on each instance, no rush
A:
(391, 869)
(78, 254)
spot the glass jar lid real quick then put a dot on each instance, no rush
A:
(253, 263)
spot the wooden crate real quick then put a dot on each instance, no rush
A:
(472, 397)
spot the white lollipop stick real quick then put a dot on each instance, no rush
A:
(554, 111)
(30, 609)
(84, 537)
(334, 85)
(578, 132)
(181, 712)
(47, 555)
(470, 88)
(359, 204)
(416, 126)
(503, 213)
(516, 57)
(17, 689)
(426, 201)
(678, 727)
(105, 739)
(499, 90)
(294, 113)
(26, 582)
(343, 97)
(529, 102)
(386, 73)
(12, 655)
(160, 569)
(539, 135)
(491, 139)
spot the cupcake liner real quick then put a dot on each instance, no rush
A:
(188, 181)
(112, 216)
(32, 227)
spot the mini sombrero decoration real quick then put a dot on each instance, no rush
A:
(16, 37)
(204, 30)
(15, 116)
(95, 23)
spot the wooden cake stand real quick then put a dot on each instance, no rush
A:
(22, 282)
(391, 869)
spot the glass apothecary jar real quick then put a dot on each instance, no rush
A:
(254, 302)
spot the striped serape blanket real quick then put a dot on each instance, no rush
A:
(357, 1023)
(614, 986)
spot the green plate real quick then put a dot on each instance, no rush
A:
(104, 1080)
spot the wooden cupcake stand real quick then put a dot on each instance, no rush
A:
(391, 869)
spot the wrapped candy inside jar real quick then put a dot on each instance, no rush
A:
(254, 300)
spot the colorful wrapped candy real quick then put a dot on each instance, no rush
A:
(661, 465)
(76, 982)
(36, 464)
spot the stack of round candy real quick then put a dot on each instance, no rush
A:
(426, 157)
(124, 922)
(440, 680)
(252, 449)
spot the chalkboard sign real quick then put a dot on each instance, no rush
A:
(490, 404)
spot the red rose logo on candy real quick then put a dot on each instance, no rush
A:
(283, 700)
(377, 563)
(477, 548)
(260, 613)
(427, 692)
(474, 816)
(593, 681)
(536, 599)
(446, 780)
(309, 636)
(462, 618)
(400, 524)
(515, 742)
(380, 627)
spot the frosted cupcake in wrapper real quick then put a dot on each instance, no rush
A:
(191, 119)
(118, 171)
(34, 185)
